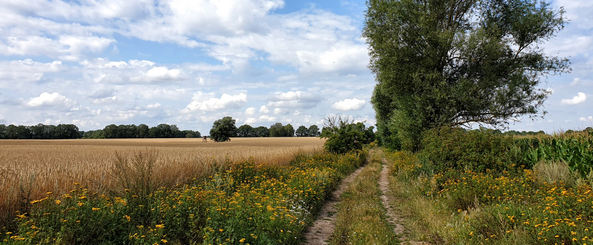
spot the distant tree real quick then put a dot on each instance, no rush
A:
(2, 131)
(313, 131)
(111, 131)
(142, 131)
(66, 131)
(223, 129)
(175, 132)
(38, 132)
(23, 132)
(245, 131)
(302, 131)
(261, 131)
(11, 132)
(94, 134)
(276, 130)
(288, 130)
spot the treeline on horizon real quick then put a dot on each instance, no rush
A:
(71, 131)
(112, 131)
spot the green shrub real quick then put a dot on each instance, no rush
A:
(477, 150)
(344, 136)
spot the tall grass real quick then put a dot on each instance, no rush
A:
(470, 195)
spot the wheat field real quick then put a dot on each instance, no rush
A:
(31, 168)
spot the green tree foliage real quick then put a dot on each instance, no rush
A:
(276, 130)
(223, 129)
(344, 135)
(279, 130)
(288, 130)
(245, 131)
(162, 130)
(302, 131)
(313, 131)
(261, 131)
(452, 62)
(39, 131)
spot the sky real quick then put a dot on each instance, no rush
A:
(98, 62)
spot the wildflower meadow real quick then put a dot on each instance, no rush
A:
(242, 203)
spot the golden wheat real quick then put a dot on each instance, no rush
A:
(30, 168)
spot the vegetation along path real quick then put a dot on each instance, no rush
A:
(323, 227)
(360, 210)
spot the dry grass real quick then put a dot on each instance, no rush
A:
(30, 168)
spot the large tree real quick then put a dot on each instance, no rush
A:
(223, 129)
(453, 62)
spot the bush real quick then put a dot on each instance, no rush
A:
(344, 136)
(477, 150)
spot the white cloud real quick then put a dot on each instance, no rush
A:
(344, 59)
(266, 118)
(264, 109)
(161, 73)
(105, 100)
(250, 111)
(575, 81)
(226, 101)
(294, 99)
(583, 119)
(580, 98)
(154, 106)
(349, 104)
(51, 100)
(133, 71)
(27, 70)
(250, 120)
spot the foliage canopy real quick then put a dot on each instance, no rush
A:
(223, 129)
(454, 62)
(344, 135)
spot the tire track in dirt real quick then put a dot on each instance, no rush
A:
(321, 230)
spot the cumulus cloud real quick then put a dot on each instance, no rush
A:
(27, 70)
(161, 73)
(580, 98)
(226, 101)
(583, 119)
(294, 99)
(349, 104)
(264, 109)
(51, 100)
(250, 120)
(250, 111)
(266, 118)
(132, 71)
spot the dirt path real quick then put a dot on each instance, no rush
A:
(324, 226)
(384, 187)
(393, 218)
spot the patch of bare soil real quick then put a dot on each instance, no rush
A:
(393, 218)
(321, 230)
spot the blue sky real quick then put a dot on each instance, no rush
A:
(97, 62)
